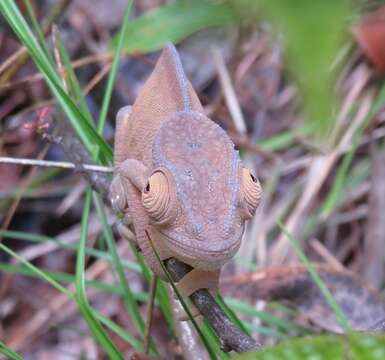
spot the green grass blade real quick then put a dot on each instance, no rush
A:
(73, 82)
(213, 340)
(24, 236)
(38, 32)
(283, 140)
(5, 350)
(333, 195)
(161, 292)
(114, 69)
(119, 331)
(284, 325)
(63, 277)
(37, 271)
(96, 329)
(231, 314)
(129, 300)
(322, 286)
(266, 331)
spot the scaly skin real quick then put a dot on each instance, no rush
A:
(196, 205)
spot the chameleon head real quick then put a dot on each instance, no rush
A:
(198, 195)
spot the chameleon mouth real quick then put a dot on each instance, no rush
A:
(201, 256)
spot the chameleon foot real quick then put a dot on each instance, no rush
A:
(198, 279)
(193, 281)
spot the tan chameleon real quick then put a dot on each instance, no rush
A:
(179, 178)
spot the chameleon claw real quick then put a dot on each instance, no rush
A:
(193, 281)
(198, 279)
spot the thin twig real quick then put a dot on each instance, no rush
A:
(325, 254)
(150, 309)
(229, 334)
(91, 59)
(97, 78)
(57, 164)
(58, 59)
(229, 92)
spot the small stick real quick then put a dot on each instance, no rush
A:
(59, 62)
(231, 337)
(322, 251)
(150, 309)
(229, 92)
(57, 164)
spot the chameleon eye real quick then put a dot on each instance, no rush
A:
(157, 198)
(146, 190)
(251, 192)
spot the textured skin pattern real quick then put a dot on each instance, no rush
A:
(163, 94)
(166, 131)
(205, 167)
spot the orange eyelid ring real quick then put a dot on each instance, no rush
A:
(158, 198)
(251, 192)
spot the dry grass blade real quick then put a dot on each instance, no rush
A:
(69, 237)
(373, 256)
(229, 93)
(59, 309)
(57, 164)
(325, 254)
(87, 60)
(316, 175)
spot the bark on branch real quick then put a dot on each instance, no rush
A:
(229, 334)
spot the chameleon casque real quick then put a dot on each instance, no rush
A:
(179, 178)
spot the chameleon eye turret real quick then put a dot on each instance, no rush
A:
(157, 199)
(251, 192)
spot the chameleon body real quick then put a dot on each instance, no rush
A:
(180, 179)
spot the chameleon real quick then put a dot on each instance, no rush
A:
(178, 177)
